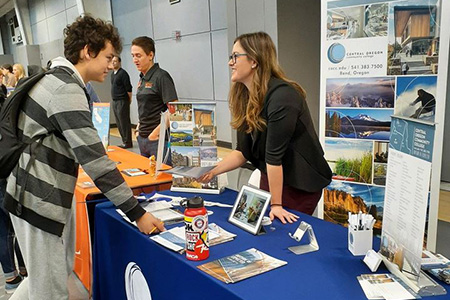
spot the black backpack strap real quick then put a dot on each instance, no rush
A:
(35, 146)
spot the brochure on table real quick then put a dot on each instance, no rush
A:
(240, 266)
(100, 118)
(385, 286)
(193, 136)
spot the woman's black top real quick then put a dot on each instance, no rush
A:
(288, 140)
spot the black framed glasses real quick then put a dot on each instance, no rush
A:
(234, 56)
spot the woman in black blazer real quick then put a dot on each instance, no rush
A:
(274, 129)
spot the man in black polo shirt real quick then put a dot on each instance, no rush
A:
(121, 94)
(154, 91)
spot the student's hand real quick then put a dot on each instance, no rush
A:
(148, 224)
(282, 214)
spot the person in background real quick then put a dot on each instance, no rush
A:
(8, 77)
(405, 68)
(9, 248)
(44, 216)
(155, 89)
(3, 91)
(19, 73)
(274, 130)
(121, 89)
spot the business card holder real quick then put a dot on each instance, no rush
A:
(298, 235)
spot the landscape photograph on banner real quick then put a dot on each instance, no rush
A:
(374, 92)
(413, 37)
(371, 124)
(341, 197)
(380, 159)
(415, 97)
(356, 21)
(349, 159)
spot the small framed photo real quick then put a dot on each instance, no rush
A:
(249, 209)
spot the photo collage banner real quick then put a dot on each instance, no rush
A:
(193, 134)
(379, 59)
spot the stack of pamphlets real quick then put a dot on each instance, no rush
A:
(161, 210)
(385, 286)
(134, 172)
(240, 266)
(442, 274)
(437, 265)
(434, 261)
(174, 238)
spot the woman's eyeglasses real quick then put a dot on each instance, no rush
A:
(233, 57)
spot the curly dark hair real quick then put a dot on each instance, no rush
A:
(92, 32)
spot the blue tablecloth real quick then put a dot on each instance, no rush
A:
(329, 273)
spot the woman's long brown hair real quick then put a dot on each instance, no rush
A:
(245, 105)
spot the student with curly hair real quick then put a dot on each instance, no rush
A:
(57, 107)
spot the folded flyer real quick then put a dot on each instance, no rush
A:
(385, 286)
(159, 209)
(194, 172)
(242, 265)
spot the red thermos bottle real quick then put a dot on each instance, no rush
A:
(196, 227)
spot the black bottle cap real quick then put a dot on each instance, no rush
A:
(195, 202)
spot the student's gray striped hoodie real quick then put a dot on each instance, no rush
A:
(58, 105)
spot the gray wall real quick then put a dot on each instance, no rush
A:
(299, 47)
(49, 17)
(197, 63)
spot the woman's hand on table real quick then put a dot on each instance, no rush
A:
(148, 224)
(282, 214)
(207, 177)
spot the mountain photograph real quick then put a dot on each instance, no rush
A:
(340, 198)
(377, 92)
(371, 124)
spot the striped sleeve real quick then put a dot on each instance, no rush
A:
(69, 113)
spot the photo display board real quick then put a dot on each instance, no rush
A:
(193, 136)
(379, 59)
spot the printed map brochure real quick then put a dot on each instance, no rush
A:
(240, 266)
